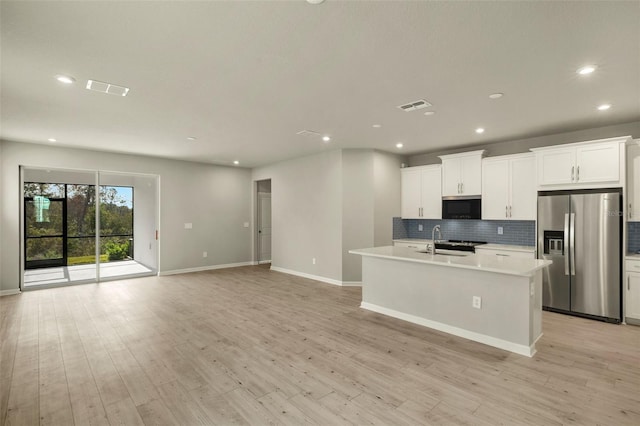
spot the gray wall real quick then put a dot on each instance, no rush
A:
(215, 199)
(306, 213)
(386, 178)
(327, 204)
(523, 145)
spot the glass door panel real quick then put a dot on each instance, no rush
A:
(45, 244)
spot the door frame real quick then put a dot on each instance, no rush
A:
(261, 195)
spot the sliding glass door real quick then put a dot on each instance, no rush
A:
(45, 226)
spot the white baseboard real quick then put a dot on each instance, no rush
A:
(9, 292)
(528, 351)
(317, 277)
(263, 261)
(204, 268)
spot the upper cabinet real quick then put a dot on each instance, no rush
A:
(581, 165)
(508, 189)
(462, 174)
(633, 181)
(421, 192)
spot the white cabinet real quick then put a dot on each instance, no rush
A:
(633, 182)
(462, 174)
(581, 165)
(508, 188)
(632, 305)
(421, 196)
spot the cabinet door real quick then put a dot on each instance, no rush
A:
(471, 175)
(495, 190)
(523, 200)
(633, 295)
(451, 174)
(633, 183)
(598, 163)
(410, 194)
(432, 193)
(556, 166)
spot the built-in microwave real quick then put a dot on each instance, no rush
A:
(461, 208)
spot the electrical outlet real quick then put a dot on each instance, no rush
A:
(204, 254)
(188, 225)
(246, 224)
(500, 230)
(313, 261)
(419, 227)
(477, 302)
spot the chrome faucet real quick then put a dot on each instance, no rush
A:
(433, 237)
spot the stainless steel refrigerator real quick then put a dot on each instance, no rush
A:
(581, 233)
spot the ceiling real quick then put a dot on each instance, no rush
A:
(245, 77)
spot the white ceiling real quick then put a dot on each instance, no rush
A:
(244, 77)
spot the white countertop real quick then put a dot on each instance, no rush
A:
(479, 262)
(412, 240)
(506, 247)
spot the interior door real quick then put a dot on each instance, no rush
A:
(45, 232)
(264, 227)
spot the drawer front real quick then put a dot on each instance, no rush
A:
(410, 245)
(633, 265)
(507, 253)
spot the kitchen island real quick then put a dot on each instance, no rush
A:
(440, 291)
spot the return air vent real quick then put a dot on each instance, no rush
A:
(310, 133)
(108, 88)
(412, 106)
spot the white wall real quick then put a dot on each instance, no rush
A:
(145, 221)
(306, 213)
(216, 199)
(1, 202)
(327, 204)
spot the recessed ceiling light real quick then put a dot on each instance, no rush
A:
(326, 138)
(399, 145)
(587, 69)
(496, 95)
(315, 1)
(479, 130)
(191, 138)
(52, 140)
(377, 126)
(604, 107)
(429, 113)
(236, 162)
(65, 79)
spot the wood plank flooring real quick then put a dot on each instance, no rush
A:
(251, 346)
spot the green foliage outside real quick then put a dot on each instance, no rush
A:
(116, 218)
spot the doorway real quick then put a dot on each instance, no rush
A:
(86, 226)
(263, 216)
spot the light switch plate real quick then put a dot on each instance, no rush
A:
(246, 224)
(188, 225)
(500, 230)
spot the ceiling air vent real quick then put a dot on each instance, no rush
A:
(412, 106)
(108, 88)
(308, 133)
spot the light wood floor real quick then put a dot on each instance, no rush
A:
(251, 346)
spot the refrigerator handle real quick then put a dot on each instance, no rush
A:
(572, 243)
(566, 244)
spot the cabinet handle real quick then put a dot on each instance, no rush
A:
(578, 174)
(510, 215)
(629, 282)
(506, 211)
(630, 211)
(572, 172)
(500, 254)
(462, 187)
(458, 187)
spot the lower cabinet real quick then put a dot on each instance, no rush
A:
(632, 288)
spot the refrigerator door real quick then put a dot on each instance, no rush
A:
(595, 257)
(553, 218)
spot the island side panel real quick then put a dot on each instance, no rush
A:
(442, 296)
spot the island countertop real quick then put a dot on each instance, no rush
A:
(478, 262)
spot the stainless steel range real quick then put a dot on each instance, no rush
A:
(458, 245)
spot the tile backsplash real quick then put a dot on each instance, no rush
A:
(515, 232)
(633, 236)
